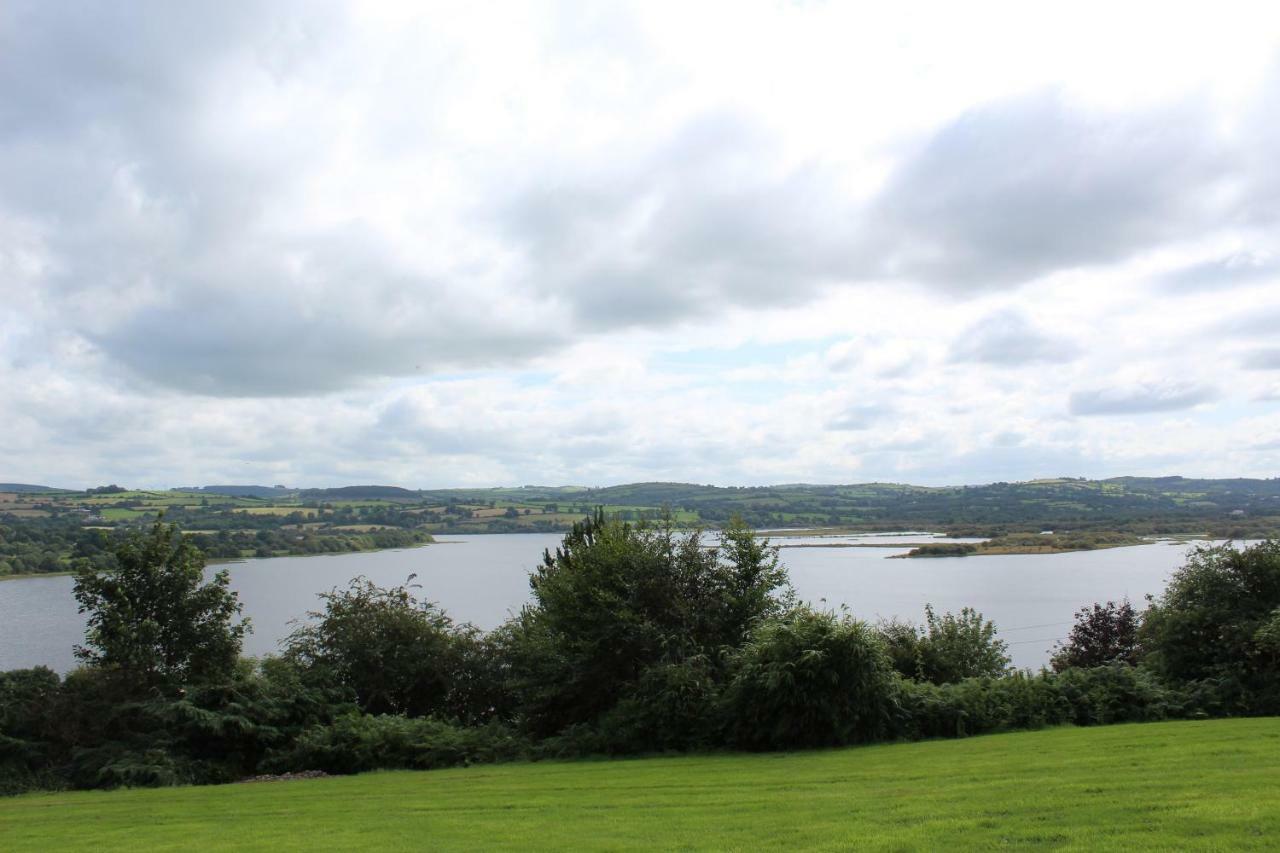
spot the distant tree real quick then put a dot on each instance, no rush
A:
(1102, 634)
(153, 618)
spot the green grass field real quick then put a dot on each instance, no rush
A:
(1212, 785)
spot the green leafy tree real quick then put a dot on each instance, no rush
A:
(616, 599)
(153, 618)
(947, 648)
(810, 678)
(397, 654)
(1217, 620)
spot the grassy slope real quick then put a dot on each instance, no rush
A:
(1189, 785)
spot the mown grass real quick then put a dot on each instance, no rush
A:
(1184, 785)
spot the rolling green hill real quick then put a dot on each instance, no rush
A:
(1204, 785)
(40, 532)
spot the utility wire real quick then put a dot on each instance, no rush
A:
(1029, 627)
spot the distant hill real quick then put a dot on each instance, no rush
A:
(360, 493)
(243, 491)
(27, 487)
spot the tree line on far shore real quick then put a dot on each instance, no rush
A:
(639, 639)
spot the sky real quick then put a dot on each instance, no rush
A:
(742, 243)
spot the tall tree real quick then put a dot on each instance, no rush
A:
(153, 618)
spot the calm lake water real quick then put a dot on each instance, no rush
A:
(483, 579)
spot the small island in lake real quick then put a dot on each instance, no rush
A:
(1029, 543)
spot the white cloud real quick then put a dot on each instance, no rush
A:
(741, 242)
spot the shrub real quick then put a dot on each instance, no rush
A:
(1116, 693)
(1214, 622)
(1103, 634)
(672, 706)
(616, 600)
(26, 751)
(946, 648)
(978, 705)
(355, 742)
(810, 678)
(397, 655)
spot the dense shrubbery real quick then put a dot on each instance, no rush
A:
(355, 742)
(638, 640)
(946, 648)
(1217, 621)
(809, 678)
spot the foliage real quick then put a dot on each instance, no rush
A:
(616, 600)
(809, 678)
(1216, 620)
(638, 640)
(1163, 786)
(946, 648)
(45, 531)
(396, 654)
(1102, 634)
(1119, 693)
(356, 742)
(153, 618)
(977, 706)
(92, 729)
(26, 698)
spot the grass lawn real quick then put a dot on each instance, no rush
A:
(1212, 785)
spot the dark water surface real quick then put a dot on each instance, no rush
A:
(482, 579)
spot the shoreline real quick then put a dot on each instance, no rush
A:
(224, 561)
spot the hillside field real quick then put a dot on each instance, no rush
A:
(1188, 785)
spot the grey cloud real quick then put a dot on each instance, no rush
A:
(1009, 338)
(1020, 188)
(309, 317)
(153, 230)
(681, 230)
(1256, 322)
(1262, 359)
(859, 417)
(1222, 273)
(1141, 399)
(1011, 191)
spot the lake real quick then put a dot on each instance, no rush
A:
(483, 578)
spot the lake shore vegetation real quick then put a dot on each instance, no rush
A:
(640, 638)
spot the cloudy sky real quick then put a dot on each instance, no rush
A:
(743, 243)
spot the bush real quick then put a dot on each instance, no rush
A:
(397, 655)
(615, 601)
(26, 751)
(673, 706)
(1103, 634)
(946, 648)
(1117, 693)
(811, 678)
(355, 742)
(978, 705)
(1215, 622)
